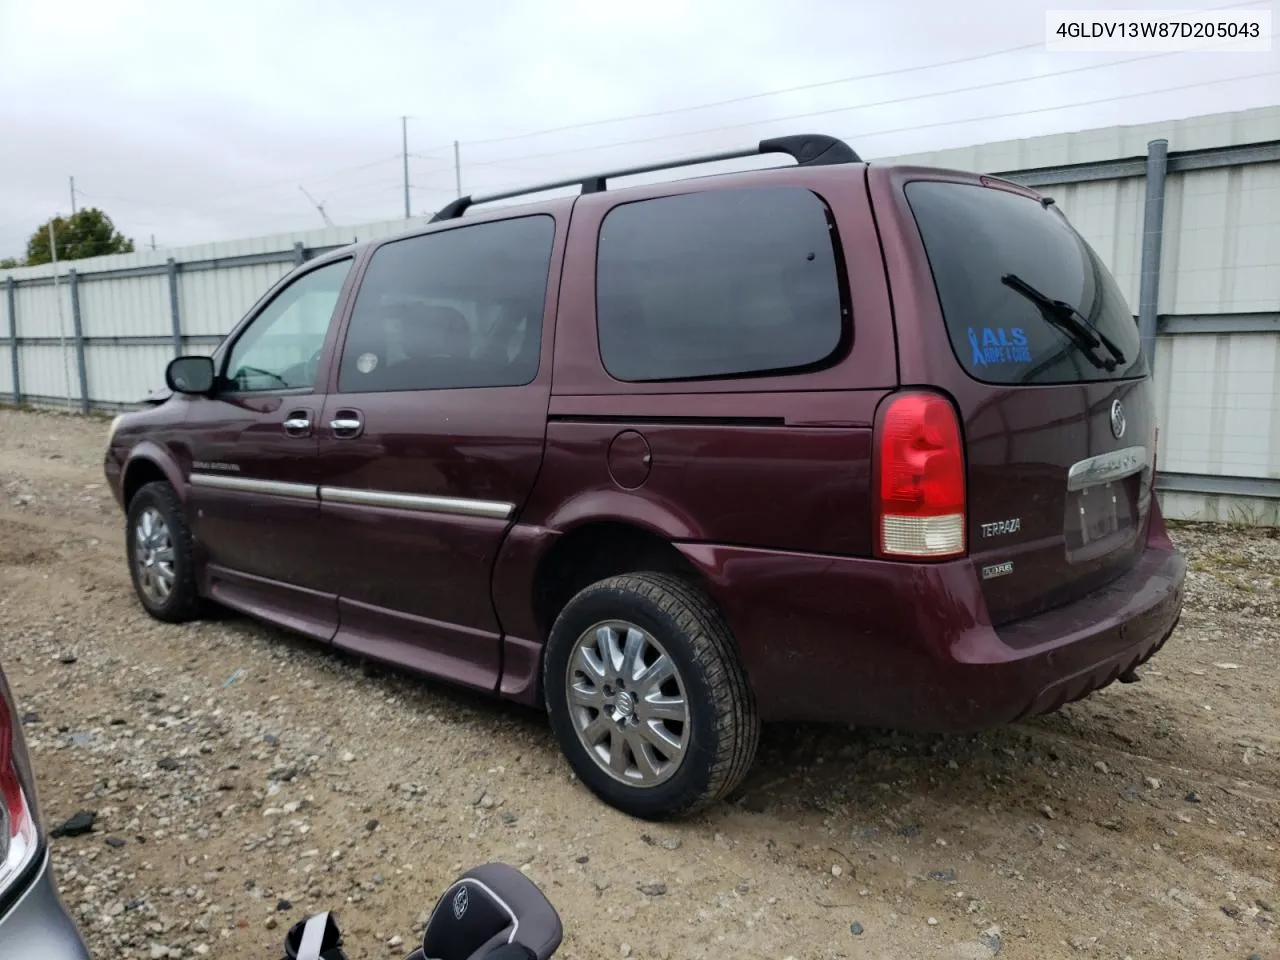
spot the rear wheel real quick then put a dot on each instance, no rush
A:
(647, 696)
(159, 550)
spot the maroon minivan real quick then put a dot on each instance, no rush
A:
(831, 441)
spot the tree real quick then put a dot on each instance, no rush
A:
(8, 263)
(88, 233)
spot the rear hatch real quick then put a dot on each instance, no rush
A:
(1053, 393)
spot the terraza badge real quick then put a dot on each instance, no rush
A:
(1001, 527)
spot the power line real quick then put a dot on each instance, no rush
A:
(758, 96)
(360, 189)
(354, 194)
(993, 84)
(785, 90)
(312, 179)
(321, 177)
(1067, 106)
(201, 212)
(864, 134)
(1011, 114)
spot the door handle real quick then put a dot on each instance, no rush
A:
(298, 424)
(346, 427)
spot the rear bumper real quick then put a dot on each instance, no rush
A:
(37, 926)
(911, 646)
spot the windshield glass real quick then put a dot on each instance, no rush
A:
(975, 238)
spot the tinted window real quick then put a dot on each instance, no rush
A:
(280, 349)
(458, 308)
(714, 284)
(996, 258)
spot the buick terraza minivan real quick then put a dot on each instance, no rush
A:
(828, 441)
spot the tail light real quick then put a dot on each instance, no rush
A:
(19, 828)
(920, 510)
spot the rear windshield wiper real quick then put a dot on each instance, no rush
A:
(1069, 320)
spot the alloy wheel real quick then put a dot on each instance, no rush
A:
(628, 704)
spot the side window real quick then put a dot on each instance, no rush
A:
(458, 308)
(718, 284)
(280, 349)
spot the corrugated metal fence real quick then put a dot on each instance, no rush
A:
(100, 338)
(96, 334)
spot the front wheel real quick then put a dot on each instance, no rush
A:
(159, 550)
(647, 696)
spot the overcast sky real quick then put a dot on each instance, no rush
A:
(197, 121)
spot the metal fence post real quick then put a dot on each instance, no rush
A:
(174, 313)
(11, 288)
(79, 332)
(299, 254)
(1152, 241)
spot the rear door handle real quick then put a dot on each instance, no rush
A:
(346, 424)
(298, 423)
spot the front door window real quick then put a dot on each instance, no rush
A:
(281, 349)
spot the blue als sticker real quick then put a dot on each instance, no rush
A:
(999, 346)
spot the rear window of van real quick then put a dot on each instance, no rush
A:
(1024, 297)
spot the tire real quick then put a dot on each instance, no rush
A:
(156, 508)
(722, 729)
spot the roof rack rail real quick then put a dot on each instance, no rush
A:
(808, 150)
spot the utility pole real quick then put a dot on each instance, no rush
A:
(153, 241)
(73, 196)
(62, 323)
(404, 154)
(457, 169)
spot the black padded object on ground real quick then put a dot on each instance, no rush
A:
(492, 912)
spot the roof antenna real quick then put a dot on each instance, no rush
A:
(319, 206)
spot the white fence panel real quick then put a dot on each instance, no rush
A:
(1219, 404)
(1108, 214)
(125, 373)
(1222, 241)
(125, 306)
(213, 301)
(48, 370)
(38, 311)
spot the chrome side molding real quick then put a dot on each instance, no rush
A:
(423, 503)
(278, 488)
(1106, 467)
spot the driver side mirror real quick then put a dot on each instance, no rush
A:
(191, 375)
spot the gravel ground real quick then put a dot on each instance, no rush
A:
(241, 778)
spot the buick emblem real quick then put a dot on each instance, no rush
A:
(460, 901)
(1117, 419)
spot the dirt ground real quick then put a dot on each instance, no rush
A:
(242, 778)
